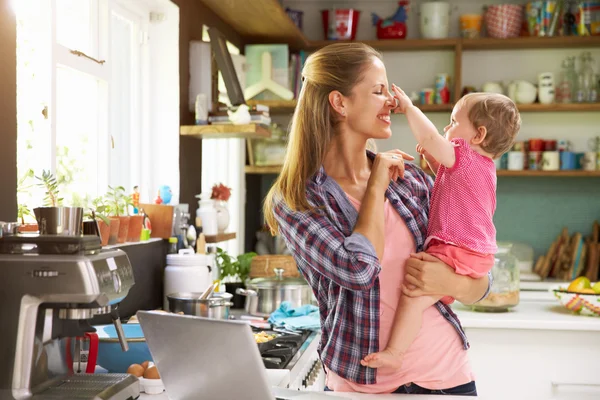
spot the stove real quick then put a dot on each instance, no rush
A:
(297, 353)
(285, 349)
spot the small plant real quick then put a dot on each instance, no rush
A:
(22, 187)
(117, 200)
(50, 185)
(235, 268)
(99, 210)
(220, 192)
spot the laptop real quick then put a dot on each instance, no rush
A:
(201, 358)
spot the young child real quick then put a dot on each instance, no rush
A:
(461, 231)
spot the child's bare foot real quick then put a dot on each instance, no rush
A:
(388, 358)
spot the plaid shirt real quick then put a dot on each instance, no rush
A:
(343, 269)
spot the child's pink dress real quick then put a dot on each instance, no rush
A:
(461, 230)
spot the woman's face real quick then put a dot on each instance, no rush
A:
(368, 108)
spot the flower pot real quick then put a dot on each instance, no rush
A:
(136, 223)
(27, 228)
(123, 229)
(104, 232)
(113, 236)
(237, 300)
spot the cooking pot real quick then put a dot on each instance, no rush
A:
(265, 295)
(215, 307)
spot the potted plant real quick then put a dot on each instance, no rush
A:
(99, 213)
(53, 218)
(234, 272)
(23, 211)
(117, 204)
(221, 194)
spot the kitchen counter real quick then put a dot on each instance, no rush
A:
(528, 315)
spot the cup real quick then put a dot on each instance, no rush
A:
(568, 160)
(549, 145)
(535, 160)
(470, 25)
(589, 161)
(579, 160)
(426, 96)
(550, 160)
(516, 160)
(546, 88)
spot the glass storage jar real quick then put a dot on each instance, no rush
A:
(504, 293)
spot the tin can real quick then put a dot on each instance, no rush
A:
(426, 96)
(442, 88)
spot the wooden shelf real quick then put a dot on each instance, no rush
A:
(559, 107)
(263, 170)
(221, 237)
(526, 173)
(259, 21)
(226, 131)
(435, 107)
(276, 106)
(557, 42)
(395, 44)
(560, 174)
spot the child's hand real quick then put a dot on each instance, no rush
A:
(404, 102)
(424, 152)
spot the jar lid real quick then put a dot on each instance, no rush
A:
(278, 281)
(188, 260)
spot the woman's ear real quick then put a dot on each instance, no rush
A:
(336, 99)
(480, 135)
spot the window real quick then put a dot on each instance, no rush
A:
(83, 80)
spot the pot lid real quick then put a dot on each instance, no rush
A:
(278, 281)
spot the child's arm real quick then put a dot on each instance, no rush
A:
(424, 131)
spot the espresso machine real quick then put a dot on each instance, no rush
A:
(51, 286)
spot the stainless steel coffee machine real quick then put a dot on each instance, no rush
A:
(50, 287)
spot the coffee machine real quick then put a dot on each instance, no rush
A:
(50, 287)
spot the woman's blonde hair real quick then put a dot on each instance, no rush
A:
(338, 67)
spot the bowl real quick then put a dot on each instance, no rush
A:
(579, 303)
(110, 355)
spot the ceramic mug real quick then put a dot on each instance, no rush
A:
(535, 160)
(550, 160)
(589, 161)
(546, 87)
(516, 160)
(435, 16)
(568, 160)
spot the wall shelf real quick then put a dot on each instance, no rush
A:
(225, 131)
(259, 21)
(276, 106)
(274, 170)
(557, 42)
(559, 107)
(220, 237)
(262, 170)
(395, 44)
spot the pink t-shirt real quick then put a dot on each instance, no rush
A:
(436, 359)
(463, 202)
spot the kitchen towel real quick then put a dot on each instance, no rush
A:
(303, 317)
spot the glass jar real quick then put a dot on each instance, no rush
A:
(504, 293)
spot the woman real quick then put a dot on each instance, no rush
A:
(352, 219)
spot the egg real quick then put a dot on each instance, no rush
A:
(135, 370)
(152, 373)
(146, 364)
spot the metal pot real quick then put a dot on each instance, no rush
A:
(215, 307)
(265, 295)
(59, 220)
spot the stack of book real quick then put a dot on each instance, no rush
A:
(259, 114)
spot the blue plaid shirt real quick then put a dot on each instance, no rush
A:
(343, 269)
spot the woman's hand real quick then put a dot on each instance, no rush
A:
(427, 275)
(387, 166)
(404, 102)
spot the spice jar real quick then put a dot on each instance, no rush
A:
(504, 292)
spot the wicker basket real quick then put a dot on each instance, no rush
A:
(263, 266)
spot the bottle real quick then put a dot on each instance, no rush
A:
(201, 240)
(208, 213)
(564, 90)
(172, 245)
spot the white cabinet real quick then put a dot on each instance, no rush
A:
(535, 352)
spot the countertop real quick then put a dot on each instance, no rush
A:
(541, 315)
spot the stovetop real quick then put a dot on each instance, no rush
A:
(285, 349)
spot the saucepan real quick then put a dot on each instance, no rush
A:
(216, 306)
(265, 295)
